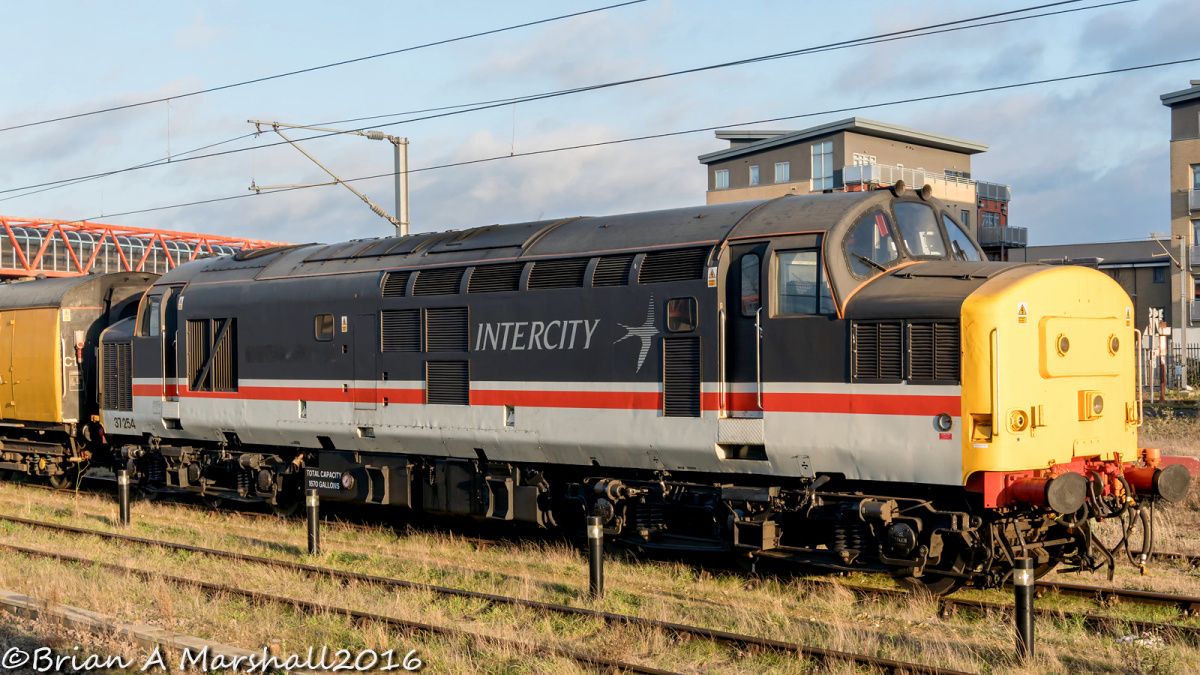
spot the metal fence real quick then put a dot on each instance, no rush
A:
(1168, 367)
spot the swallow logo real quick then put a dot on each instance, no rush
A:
(645, 332)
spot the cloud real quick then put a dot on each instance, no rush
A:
(1127, 36)
(197, 34)
(564, 54)
(592, 181)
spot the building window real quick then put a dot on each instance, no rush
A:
(1160, 275)
(1196, 233)
(754, 174)
(990, 219)
(822, 166)
(965, 217)
(783, 172)
(721, 179)
(1196, 176)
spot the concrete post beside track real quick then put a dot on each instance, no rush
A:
(123, 496)
(312, 504)
(595, 535)
(1023, 611)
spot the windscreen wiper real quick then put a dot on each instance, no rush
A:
(870, 262)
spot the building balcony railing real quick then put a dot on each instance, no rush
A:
(950, 188)
(1004, 235)
(993, 191)
(885, 174)
(1194, 200)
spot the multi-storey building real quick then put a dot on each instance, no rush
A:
(859, 154)
(1185, 192)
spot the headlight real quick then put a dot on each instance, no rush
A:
(943, 422)
(347, 481)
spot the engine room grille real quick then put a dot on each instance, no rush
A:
(442, 281)
(495, 278)
(558, 273)
(211, 354)
(681, 377)
(679, 265)
(877, 353)
(446, 329)
(612, 270)
(401, 330)
(933, 352)
(118, 376)
(447, 383)
(394, 284)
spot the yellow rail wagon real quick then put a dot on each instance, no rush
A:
(48, 387)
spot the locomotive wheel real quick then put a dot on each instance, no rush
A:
(287, 504)
(66, 480)
(933, 583)
(1044, 569)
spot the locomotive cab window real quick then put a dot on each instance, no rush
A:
(151, 319)
(870, 245)
(961, 246)
(751, 299)
(681, 315)
(919, 229)
(323, 327)
(801, 285)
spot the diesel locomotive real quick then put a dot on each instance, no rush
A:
(841, 380)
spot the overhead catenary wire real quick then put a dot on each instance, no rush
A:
(310, 69)
(669, 134)
(458, 109)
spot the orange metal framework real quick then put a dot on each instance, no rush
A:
(24, 243)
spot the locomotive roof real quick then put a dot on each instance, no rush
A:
(68, 291)
(564, 237)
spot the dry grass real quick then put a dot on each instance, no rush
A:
(808, 613)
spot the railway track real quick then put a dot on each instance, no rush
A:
(405, 625)
(1114, 626)
(726, 638)
(1105, 595)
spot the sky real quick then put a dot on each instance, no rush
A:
(1087, 159)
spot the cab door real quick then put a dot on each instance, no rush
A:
(744, 314)
(172, 299)
(149, 385)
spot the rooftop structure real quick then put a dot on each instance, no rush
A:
(857, 154)
(63, 248)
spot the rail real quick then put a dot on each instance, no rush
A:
(714, 635)
(407, 625)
